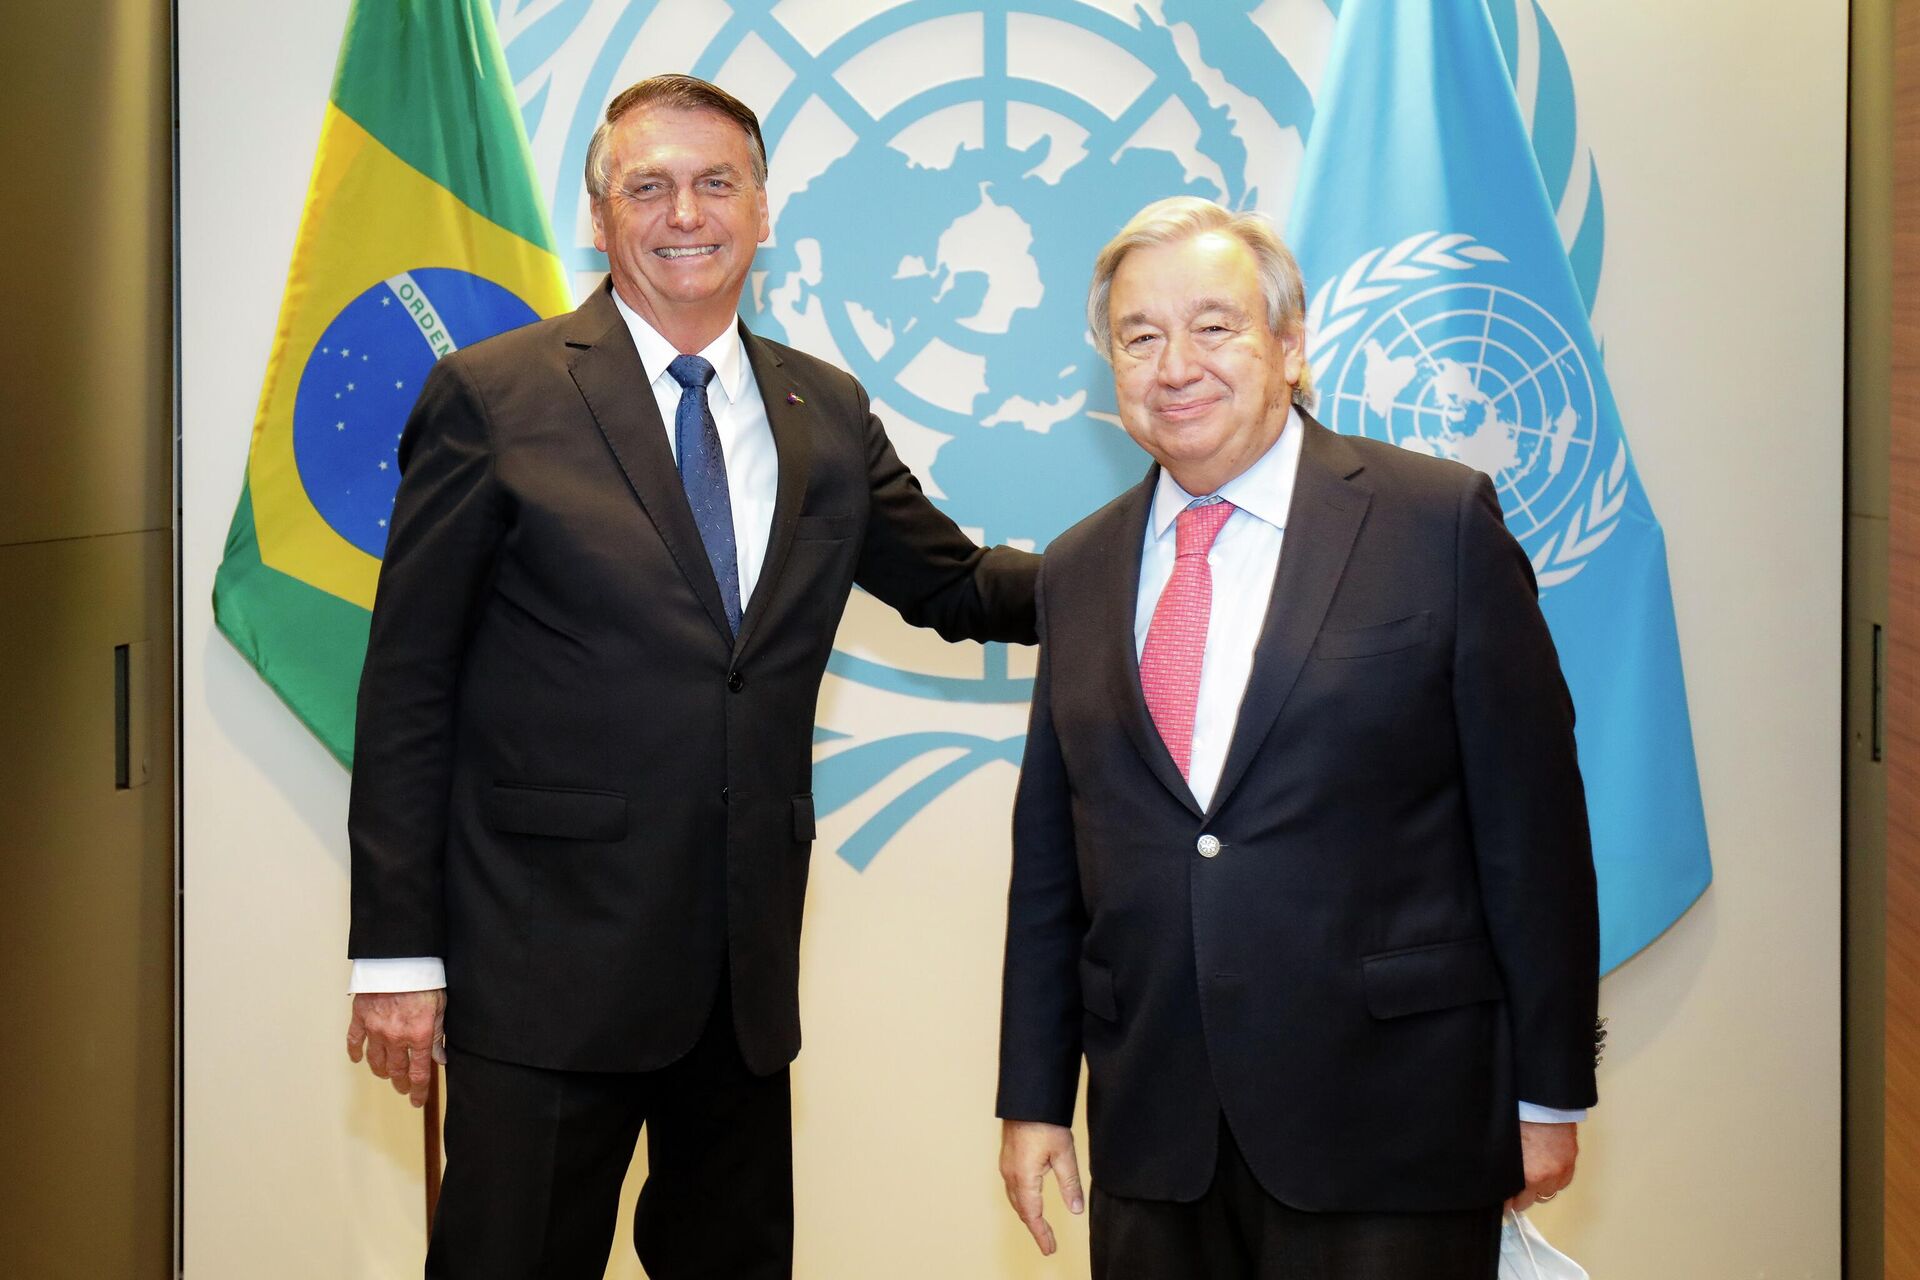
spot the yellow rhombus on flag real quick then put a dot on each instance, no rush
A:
(424, 231)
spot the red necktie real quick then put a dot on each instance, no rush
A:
(1176, 645)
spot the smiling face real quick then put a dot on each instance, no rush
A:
(680, 219)
(1204, 386)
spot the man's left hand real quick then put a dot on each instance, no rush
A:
(1548, 1153)
(1028, 1148)
(401, 1034)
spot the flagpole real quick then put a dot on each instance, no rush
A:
(431, 1141)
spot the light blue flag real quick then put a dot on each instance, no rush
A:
(1445, 317)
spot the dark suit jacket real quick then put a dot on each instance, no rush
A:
(569, 782)
(1398, 937)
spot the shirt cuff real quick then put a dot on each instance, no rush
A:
(410, 973)
(1532, 1114)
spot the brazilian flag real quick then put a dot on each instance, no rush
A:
(423, 231)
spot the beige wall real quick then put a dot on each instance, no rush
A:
(1715, 1151)
(1717, 1139)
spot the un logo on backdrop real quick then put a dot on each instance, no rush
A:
(960, 169)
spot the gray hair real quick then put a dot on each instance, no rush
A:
(1180, 218)
(683, 93)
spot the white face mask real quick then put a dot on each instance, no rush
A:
(1526, 1255)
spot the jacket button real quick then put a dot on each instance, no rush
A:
(735, 681)
(1208, 846)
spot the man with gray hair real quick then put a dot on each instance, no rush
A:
(1301, 861)
(582, 808)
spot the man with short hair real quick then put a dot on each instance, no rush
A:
(582, 801)
(1301, 861)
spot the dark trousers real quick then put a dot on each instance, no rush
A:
(1236, 1231)
(536, 1158)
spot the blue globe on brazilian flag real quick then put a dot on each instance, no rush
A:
(424, 230)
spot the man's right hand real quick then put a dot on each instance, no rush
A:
(1028, 1148)
(399, 1033)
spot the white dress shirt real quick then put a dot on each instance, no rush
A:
(1243, 560)
(746, 440)
(753, 476)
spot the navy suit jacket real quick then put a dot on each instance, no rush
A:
(1397, 938)
(570, 780)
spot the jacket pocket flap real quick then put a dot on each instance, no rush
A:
(1438, 976)
(807, 528)
(561, 812)
(803, 823)
(1096, 991)
(1364, 642)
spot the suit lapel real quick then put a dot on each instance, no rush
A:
(791, 420)
(1119, 599)
(607, 370)
(1322, 523)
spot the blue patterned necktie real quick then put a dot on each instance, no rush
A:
(703, 472)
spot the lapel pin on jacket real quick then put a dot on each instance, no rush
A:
(794, 398)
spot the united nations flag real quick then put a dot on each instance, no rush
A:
(1446, 318)
(423, 231)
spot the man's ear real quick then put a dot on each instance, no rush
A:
(1294, 361)
(597, 211)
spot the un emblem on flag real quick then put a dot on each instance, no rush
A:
(1409, 350)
